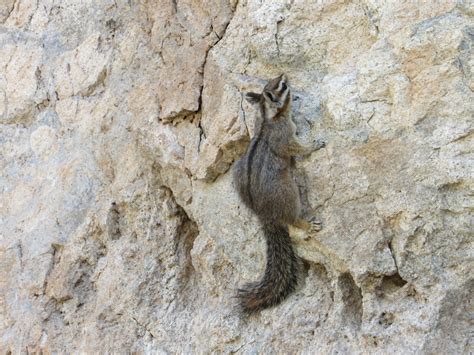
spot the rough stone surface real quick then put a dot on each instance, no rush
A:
(120, 229)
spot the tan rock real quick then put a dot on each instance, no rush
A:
(44, 141)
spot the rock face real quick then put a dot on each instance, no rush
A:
(120, 229)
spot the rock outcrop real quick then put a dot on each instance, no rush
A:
(120, 229)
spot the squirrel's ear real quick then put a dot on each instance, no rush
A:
(253, 97)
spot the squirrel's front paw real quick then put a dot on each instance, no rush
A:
(319, 143)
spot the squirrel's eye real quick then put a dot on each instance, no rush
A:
(272, 97)
(283, 86)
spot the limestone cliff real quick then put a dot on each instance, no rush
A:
(120, 229)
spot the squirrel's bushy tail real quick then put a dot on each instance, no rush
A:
(281, 272)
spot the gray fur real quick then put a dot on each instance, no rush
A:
(265, 183)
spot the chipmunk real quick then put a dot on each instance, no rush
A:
(264, 181)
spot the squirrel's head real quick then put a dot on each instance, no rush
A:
(275, 97)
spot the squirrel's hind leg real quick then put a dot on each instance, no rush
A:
(311, 225)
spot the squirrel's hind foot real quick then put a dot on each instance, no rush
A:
(315, 225)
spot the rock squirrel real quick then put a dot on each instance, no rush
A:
(264, 181)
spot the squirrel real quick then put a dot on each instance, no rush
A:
(265, 184)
